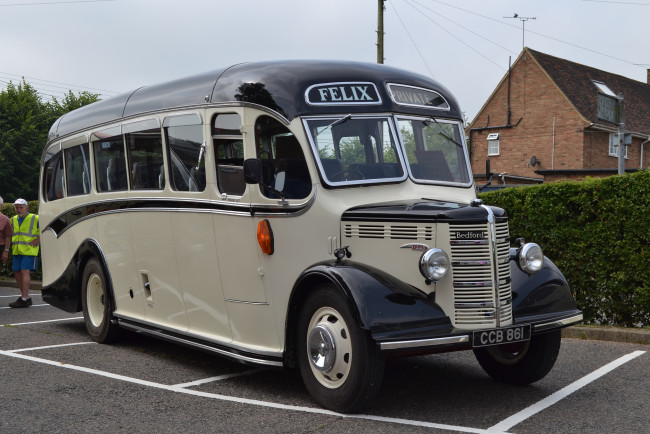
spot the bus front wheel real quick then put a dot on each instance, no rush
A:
(523, 362)
(97, 304)
(339, 362)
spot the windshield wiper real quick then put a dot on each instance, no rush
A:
(335, 123)
(442, 133)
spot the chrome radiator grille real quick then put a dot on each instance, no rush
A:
(475, 273)
(388, 231)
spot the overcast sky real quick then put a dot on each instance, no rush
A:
(113, 46)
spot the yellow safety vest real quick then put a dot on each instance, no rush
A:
(23, 235)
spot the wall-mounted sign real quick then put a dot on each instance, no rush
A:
(342, 93)
(417, 97)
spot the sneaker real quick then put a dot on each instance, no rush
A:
(21, 303)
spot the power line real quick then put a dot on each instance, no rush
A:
(465, 28)
(54, 3)
(66, 85)
(413, 41)
(456, 37)
(538, 34)
(617, 3)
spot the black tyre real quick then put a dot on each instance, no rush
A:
(340, 364)
(523, 362)
(97, 304)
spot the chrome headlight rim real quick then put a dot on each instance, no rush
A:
(530, 258)
(434, 264)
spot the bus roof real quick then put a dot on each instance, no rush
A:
(287, 87)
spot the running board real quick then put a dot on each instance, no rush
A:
(198, 344)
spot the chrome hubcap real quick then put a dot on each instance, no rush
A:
(322, 348)
(329, 348)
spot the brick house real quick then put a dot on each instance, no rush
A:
(551, 119)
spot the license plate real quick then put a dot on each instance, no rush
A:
(505, 335)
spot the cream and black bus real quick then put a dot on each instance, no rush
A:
(319, 215)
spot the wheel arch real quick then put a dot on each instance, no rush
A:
(65, 292)
(380, 303)
(545, 292)
(310, 278)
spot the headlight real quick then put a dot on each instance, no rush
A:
(530, 258)
(434, 264)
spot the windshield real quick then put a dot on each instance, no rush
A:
(359, 149)
(434, 150)
(364, 149)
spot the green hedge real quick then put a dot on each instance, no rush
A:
(5, 269)
(597, 232)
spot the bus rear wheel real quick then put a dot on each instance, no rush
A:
(521, 363)
(339, 362)
(96, 304)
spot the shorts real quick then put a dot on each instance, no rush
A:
(23, 262)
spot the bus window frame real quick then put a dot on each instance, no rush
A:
(391, 122)
(192, 118)
(102, 134)
(138, 126)
(459, 125)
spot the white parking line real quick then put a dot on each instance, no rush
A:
(244, 400)
(41, 322)
(33, 305)
(35, 294)
(524, 414)
(50, 346)
(218, 378)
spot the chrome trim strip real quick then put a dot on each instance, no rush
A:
(481, 262)
(135, 321)
(495, 259)
(469, 242)
(476, 284)
(198, 345)
(258, 303)
(558, 323)
(423, 343)
(473, 305)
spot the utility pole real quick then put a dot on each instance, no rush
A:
(380, 31)
(523, 27)
(621, 134)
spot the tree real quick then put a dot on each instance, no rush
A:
(25, 121)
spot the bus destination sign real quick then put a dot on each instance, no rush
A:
(342, 93)
(417, 97)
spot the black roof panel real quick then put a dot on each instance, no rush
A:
(278, 85)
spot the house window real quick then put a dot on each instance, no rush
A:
(613, 145)
(493, 144)
(603, 88)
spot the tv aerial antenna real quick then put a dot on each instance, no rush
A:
(523, 26)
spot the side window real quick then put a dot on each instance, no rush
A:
(77, 170)
(229, 152)
(283, 161)
(110, 161)
(185, 151)
(53, 177)
(145, 158)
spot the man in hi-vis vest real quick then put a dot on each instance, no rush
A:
(24, 248)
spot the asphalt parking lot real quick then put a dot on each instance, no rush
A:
(55, 379)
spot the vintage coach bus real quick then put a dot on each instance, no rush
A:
(319, 215)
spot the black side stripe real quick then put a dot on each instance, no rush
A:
(73, 216)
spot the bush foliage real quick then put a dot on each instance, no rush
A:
(597, 231)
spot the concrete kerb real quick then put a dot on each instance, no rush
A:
(587, 332)
(606, 333)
